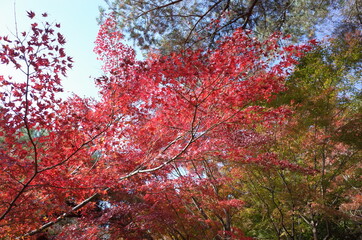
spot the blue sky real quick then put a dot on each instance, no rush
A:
(78, 25)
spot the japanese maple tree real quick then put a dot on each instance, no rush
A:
(151, 152)
(43, 138)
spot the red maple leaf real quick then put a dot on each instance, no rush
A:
(31, 14)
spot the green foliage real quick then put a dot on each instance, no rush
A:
(324, 137)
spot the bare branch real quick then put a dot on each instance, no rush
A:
(159, 7)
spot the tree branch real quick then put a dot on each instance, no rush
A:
(159, 7)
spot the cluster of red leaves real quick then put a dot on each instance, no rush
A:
(152, 150)
(43, 138)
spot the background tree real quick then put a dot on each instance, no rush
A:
(174, 25)
(324, 92)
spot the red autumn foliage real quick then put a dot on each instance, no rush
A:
(147, 159)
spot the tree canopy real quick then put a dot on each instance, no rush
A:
(173, 25)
